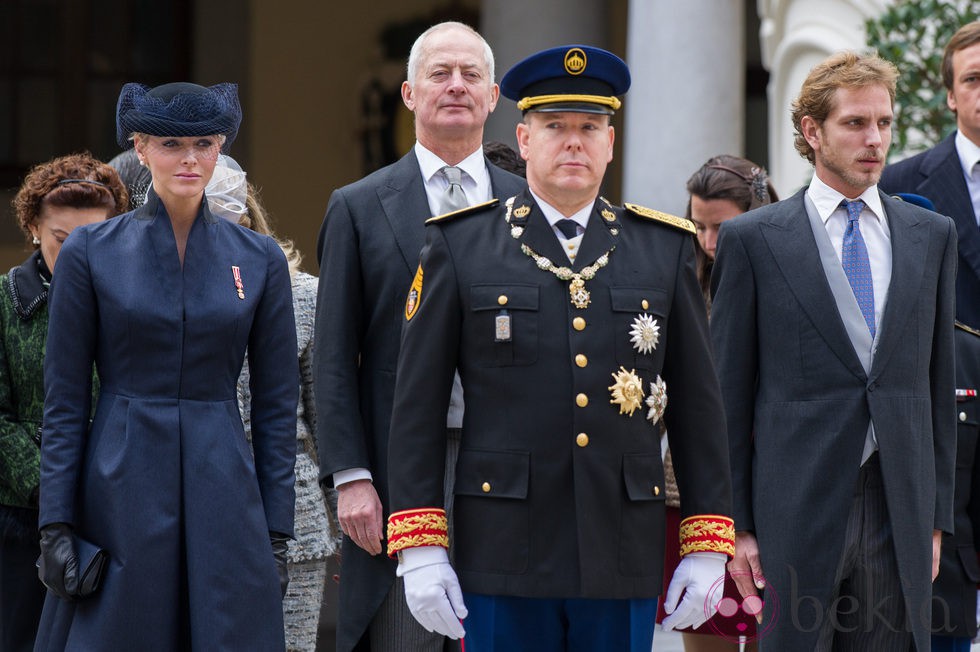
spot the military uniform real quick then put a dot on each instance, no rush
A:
(560, 488)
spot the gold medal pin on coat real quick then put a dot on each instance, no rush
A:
(237, 274)
(627, 391)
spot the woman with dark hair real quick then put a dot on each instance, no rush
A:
(55, 197)
(724, 187)
(164, 301)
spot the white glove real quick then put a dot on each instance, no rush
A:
(694, 577)
(432, 590)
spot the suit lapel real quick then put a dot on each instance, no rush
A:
(538, 234)
(406, 207)
(945, 185)
(908, 265)
(790, 240)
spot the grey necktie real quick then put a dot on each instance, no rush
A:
(454, 198)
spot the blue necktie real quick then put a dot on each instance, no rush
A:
(857, 265)
(568, 228)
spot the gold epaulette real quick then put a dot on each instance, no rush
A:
(966, 328)
(673, 220)
(707, 533)
(469, 210)
(415, 528)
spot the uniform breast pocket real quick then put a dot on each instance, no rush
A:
(640, 326)
(503, 329)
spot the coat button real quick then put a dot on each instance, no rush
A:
(578, 324)
(582, 440)
(581, 400)
(502, 299)
(645, 304)
(962, 416)
(581, 360)
(656, 490)
(486, 487)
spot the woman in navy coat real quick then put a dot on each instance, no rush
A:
(165, 302)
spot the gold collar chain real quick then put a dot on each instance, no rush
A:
(580, 297)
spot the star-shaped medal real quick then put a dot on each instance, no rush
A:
(627, 391)
(645, 333)
(657, 400)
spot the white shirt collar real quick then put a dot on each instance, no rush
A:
(552, 214)
(969, 153)
(473, 165)
(827, 200)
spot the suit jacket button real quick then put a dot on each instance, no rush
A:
(581, 400)
(962, 416)
(486, 487)
(582, 440)
(578, 324)
(581, 360)
(502, 299)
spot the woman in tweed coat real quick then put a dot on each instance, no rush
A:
(316, 532)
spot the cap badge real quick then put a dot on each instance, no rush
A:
(627, 391)
(657, 400)
(575, 61)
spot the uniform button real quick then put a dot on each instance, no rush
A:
(502, 299)
(872, 387)
(486, 487)
(571, 247)
(962, 416)
(582, 440)
(645, 304)
(578, 324)
(581, 360)
(581, 400)
(656, 490)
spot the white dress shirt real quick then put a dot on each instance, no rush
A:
(553, 215)
(874, 230)
(475, 178)
(969, 154)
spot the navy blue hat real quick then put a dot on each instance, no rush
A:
(178, 109)
(918, 200)
(577, 78)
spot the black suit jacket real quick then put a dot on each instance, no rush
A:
(558, 494)
(368, 250)
(954, 605)
(938, 175)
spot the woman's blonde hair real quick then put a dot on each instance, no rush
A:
(255, 218)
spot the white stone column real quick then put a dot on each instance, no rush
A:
(796, 35)
(687, 102)
(518, 28)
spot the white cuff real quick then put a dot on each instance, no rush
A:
(349, 475)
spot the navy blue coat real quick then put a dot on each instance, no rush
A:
(937, 174)
(163, 477)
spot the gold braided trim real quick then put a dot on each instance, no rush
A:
(707, 533)
(417, 541)
(966, 328)
(412, 528)
(679, 222)
(603, 100)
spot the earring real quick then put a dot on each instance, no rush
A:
(36, 241)
(142, 162)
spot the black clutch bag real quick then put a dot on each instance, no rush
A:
(91, 566)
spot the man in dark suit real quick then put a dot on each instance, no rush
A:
(832, 326)
(541, 301)
(948, 173)
(368, 248)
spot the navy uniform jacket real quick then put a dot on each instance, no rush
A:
(954, 605)
(937, 174)
(164, 478)
(558, 493)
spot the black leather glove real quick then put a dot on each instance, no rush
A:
(58, 564)
(280, 543)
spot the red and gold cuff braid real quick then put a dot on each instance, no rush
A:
(413, 528)
(708, 533)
